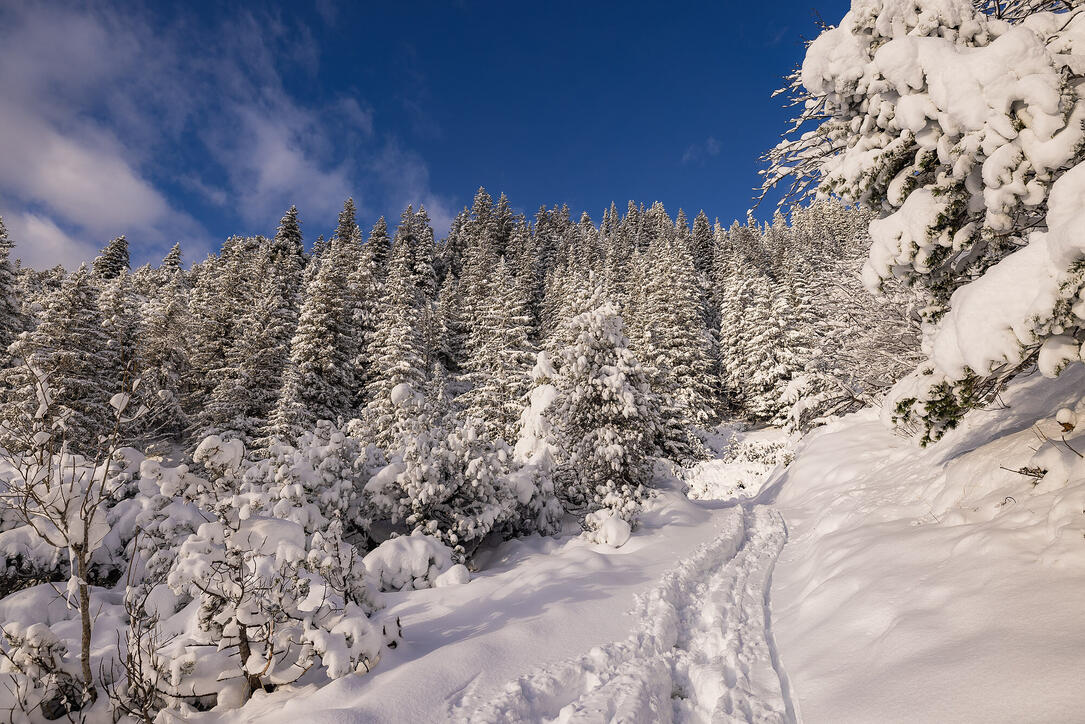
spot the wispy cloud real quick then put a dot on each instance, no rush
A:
(700, 152)
(106, 114)
(65, 174)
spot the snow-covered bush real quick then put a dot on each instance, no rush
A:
(42, 683)
(446, 480)
(275, 599)
(963, 128)
(607, 526)
(408, 562)
(534, 458)
(320, 478)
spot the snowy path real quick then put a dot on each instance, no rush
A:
(701, 650)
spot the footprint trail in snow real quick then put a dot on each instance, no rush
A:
(701, 649)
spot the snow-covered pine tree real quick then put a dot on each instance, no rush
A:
(603, 418)
(447, 478)
(480, 256)
(12, 321)
(377, 249)
(120, 320)
(113, 260)
(171, 262)
(398, 347)
(319, 382)
(503, 356)
(702, 241)
(73, 351)
(669, 336)
(248, 390)
(450, 349)
(505, 221)
(771, 356)
(162, 361)
(959, 183)
(451, 256)
(224, 292)
(742, 295)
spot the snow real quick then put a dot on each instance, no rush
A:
(867, 580)
(534, 602)
(401, 394)
(218, 453)
(615, 532)
(934, 585)
(409, 562)
(996, 318)
(914, 585)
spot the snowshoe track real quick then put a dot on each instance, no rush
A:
(701, 650)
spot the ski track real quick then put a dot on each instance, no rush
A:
(701, 650)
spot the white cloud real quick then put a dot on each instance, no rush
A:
(101, 108)
(69, 181)
(41, 244)
(405, 177)
(699, 152)
(85, 182)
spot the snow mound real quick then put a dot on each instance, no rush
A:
(608, 528)
(411, 562)
(402, 394)
(216, 453)
(457, 575)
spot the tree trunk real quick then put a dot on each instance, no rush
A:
(91, 693)
(252, 680)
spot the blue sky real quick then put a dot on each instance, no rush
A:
(196, 122)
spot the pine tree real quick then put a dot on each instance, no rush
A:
(247, 393)
(448, 478)
(398, 347)
(12, 320)
(113, 260)
(702, 240)
(120, 321)
(171, 263)
(503, 356)
(378, 248)
(319, 382)
(224, 293)
(603, 417)
(70, 347)
(163, 364)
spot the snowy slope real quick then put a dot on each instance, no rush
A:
(931, 585)
(549, 602)
(870, 580)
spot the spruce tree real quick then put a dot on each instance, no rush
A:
(12, 321)
(319, 382)
(73, 352)
(503, 356)
(702, 240)
(378, 248)
(247, 393)
(398, 347)
(163, 364)
(113, 260)
(120, 321)
(603, 417)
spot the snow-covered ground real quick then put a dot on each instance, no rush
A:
(933, 585)
(870, 580)
(673, 621)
